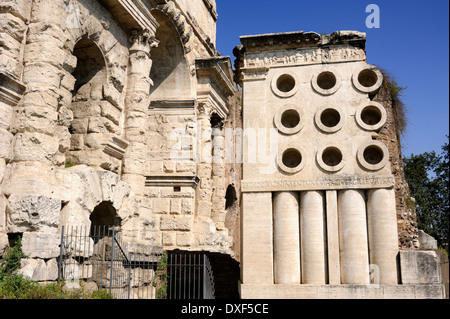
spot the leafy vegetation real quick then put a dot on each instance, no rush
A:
(15, 286)
(428, 177)
(398, 107)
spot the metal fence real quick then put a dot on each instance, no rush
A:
(99, 255)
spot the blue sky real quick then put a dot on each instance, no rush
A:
(412, 44)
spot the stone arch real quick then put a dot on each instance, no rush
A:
(170, 70)
(98, 197)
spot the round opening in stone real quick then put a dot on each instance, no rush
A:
(373, 155)
(292, 158)
(371, 115)
(286, 83)
(367, 78)
(332, 156)
(330, 118)
(326, 80)
(290, 119)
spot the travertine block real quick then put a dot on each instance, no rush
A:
(32, 212)
(35, 147)
(175, 222)
(41, 245)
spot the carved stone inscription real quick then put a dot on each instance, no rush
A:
(349, 182)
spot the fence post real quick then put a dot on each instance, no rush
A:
(112, 259)
(61, 250)
(204, 277)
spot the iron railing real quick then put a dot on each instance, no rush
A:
(99, 255)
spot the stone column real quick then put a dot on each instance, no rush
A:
(218, 212)
(204, 158)
(312, 237)
(286, 238)
(353, 237)
(137, 102)
(383, 235)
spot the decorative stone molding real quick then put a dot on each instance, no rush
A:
(143, 41)
(137, 10)
(170, 180)
(117, 147)
(184, 29)
(215, 84)
(11, 90)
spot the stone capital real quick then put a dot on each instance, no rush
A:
(142, 41)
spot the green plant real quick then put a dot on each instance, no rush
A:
(398, 107)
(15, 286)
(161, 292)
(443, 250)
(69, 164)
(11, 262)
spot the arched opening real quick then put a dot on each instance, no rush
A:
(170, 71)
(230, 196)
(104, 215)
(95, 120)
(91, 66)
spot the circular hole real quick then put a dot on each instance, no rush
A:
(332, 156)
(371, 115)
(286, 83)
(326, 80)
(367, 78)
(330, 118)
(290, 119)
(373, 155)
(292, 158)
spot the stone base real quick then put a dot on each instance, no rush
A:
(413, 291)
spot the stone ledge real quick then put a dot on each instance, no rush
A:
(426, 291)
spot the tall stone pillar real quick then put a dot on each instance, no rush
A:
(286, 238)
(312, 237)
(383, 235)
(137, 103)
(353, 237)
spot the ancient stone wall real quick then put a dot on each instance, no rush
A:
(95, 98)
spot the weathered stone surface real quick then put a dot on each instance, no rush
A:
(35, 147)
(427, 241)
(41, 245)
(38, 269)
(32, 213)
(419, 267)
(4, 243)
(5, 144)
